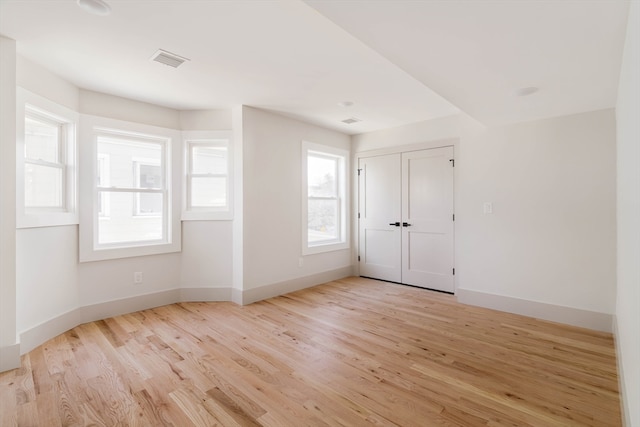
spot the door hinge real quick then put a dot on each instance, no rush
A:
(454, 217)
(454, 271)
(358, 258)
(358, 215)
(453, 162)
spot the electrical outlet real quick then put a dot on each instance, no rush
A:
(300, 262)
(137, 277)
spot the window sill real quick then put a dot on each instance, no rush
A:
(46, 219)
(145, 249)
(329, 247)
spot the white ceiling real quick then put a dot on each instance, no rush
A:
(396, 60)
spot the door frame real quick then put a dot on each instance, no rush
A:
(355, 190)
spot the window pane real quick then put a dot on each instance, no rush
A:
(209, 192)
(123, 224)
(149, 204)
(149, 176)
(321, 176)
(322, 220)
(42, 186)
(209, 160)
(131, 163)
(41, 140)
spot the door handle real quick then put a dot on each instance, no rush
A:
(406, 224)
(397, 224)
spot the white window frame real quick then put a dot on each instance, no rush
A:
(92, 128)
(342, 184)
(103, 169)
(44, 110)
(192, 139)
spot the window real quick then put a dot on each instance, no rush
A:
(208, 177)
(46, 173)
(136, 191)
(130, 178)
(324, 202)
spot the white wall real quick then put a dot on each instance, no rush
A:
(207, 246)
(47, 279)
(272, 199)
(115, 107)
(44, 294)
(414, 133)
(38, 80)
(548, 250)
(9, 350)
(628, 298)
(51, 283)
(551, 237)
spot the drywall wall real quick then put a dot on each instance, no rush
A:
(115, 107)
(207, 246)
(9, 348)
(272, 199)
(551, 236)
(628, 215)
(415, 133)
(46, 257)
(207, 255)
(205, 120)
(548, 250)
(47, 279)
(46, 84)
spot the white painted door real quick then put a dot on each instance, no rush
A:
(379, 210)
(406, 218)
(427, 216)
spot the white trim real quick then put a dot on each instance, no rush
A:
(37, 335)
(33, 337)
(69, 120)
(91, 127)
(250, 296)
(624, 402)
(219, 138)
(205, 294)
(540, 310)
(343, 242)
(9, 357)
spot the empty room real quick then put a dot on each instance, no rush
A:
(319, 213)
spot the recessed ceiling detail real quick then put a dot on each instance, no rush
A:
(351, 120)
(525, 91)
(96, 7)
(168, 58)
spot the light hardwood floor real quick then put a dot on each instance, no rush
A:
(353, 352)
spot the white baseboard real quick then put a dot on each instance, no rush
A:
(236, 296)
(91, 313)
(44, 331)
(275, 289)
(9, 357)
(38, 334)
(555, 313)
(624, 403)
(205, 294)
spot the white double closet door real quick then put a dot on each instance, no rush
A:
(405, 211)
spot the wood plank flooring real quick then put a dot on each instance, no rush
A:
(354, 352)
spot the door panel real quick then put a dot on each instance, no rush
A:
(427, 208)
(379, 205)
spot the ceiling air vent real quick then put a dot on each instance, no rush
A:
(351, 120)
(168, 58)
